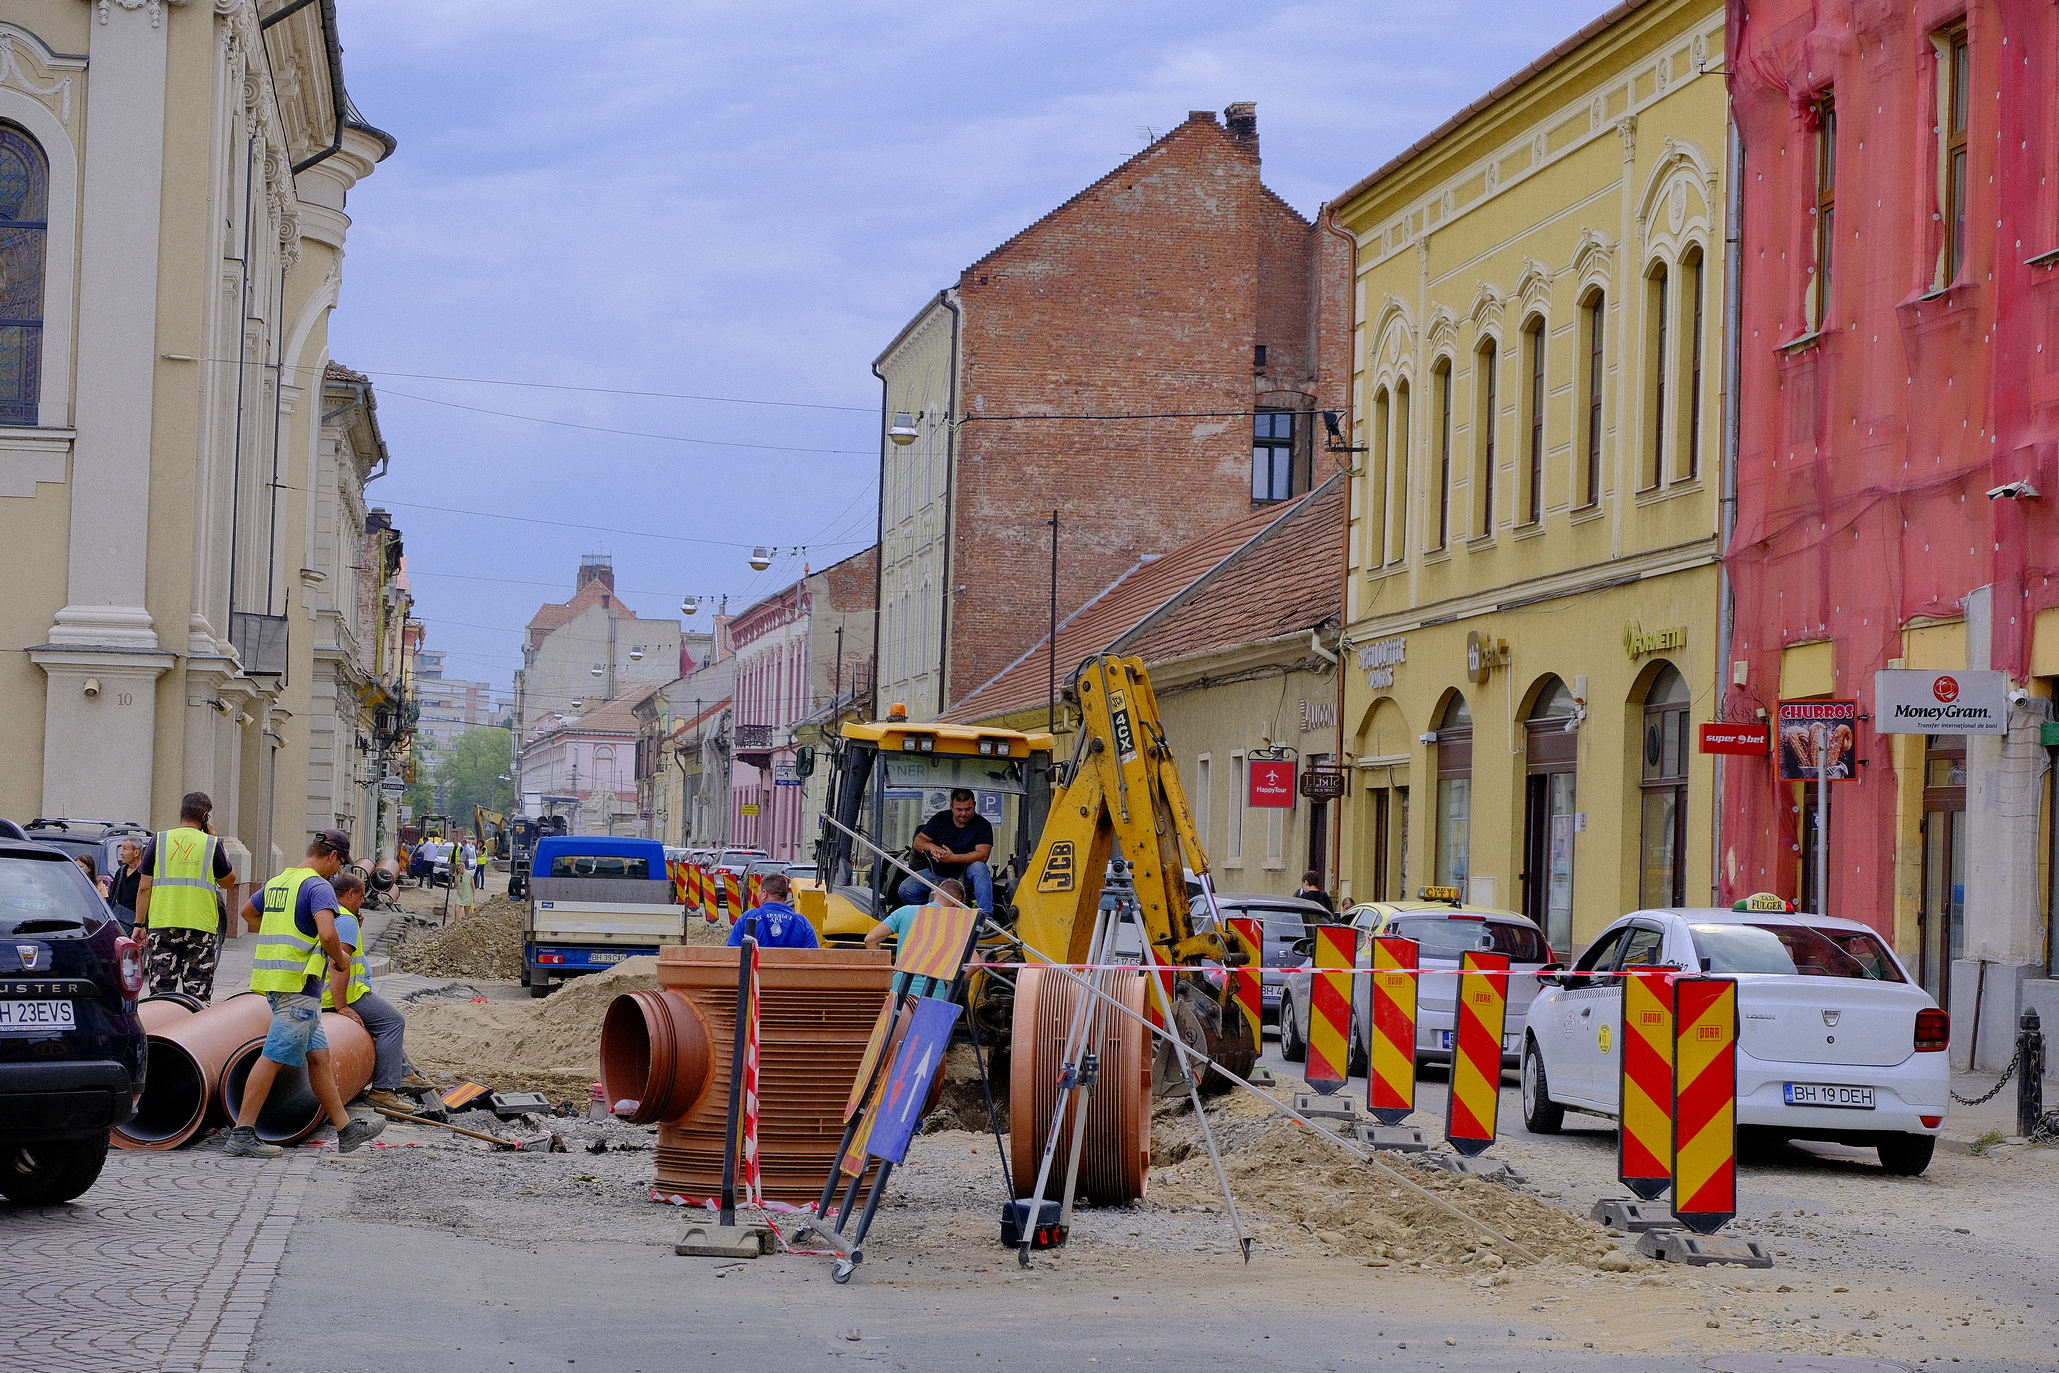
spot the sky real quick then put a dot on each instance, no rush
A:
(737, 206)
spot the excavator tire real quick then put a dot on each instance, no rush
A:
(1117, 1156)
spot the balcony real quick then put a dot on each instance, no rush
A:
(754, 744)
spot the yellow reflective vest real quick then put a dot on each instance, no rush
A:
(360, 979)
(182, 885)
(285, 958)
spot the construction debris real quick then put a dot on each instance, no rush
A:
(550, 1046)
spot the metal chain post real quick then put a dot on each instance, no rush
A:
(2030, 1086)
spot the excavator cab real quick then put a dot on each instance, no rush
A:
(888, 777)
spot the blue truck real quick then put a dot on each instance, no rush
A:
(594, 901)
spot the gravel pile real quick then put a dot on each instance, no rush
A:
(551, 1046)
(486, 943)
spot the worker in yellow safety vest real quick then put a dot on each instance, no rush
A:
(298, 950)
(179, 902)
(391, 1070)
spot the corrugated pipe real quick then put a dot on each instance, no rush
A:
(187, 1050)
(292, 1111)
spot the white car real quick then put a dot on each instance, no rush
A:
(1835, 1043)
(1443, 930)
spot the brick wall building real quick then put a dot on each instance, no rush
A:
(1176, 287)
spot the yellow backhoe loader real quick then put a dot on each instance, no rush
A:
(1055, 829)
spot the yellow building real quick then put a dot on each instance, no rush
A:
(1533, 587)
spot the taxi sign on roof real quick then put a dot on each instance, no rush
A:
(1451, 894)
(1764, 901)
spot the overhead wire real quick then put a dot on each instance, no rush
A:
(631, 433)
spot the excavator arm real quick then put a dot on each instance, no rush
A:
(1123, 795)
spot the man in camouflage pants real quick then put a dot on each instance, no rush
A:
(179, 902)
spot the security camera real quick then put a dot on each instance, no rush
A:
(92, 686)
(2017, 696)
(2014, 491)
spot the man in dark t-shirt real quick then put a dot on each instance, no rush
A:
(957, 843)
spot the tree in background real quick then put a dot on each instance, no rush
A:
(478, 771)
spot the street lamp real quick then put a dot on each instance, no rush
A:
(600, 669)
(903, 431)
(761, 558)
(636, 653)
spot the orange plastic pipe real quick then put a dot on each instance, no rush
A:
(186, 1052)
(292, 1111)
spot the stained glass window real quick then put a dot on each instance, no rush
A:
(24, 227)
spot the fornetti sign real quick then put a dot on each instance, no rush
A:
(1907, 701)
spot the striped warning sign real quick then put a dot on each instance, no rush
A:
(1329, 1007)
(1644, 1141)
(1483, 996)
(1247, 984)
(1391, 1085)
(754, 891)
(734, 889)
(1704, 1102)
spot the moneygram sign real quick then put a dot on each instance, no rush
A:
(1912, 702)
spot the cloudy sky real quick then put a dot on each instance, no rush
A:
(744, 203)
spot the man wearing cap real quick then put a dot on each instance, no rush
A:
(299, 950)
(178, 915)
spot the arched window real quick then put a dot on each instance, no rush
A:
(1397, 484)
(1488, 406)
(1533, 344)
(1691, 268)
(1597, 367)
(1659, 359)
(1662, 850)
(1552, 755)
(1455, 795)
(1376, 506)
(24, 242)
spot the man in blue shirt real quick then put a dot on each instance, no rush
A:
(775, 924)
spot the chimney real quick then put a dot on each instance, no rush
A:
(1201, 116)
(1241, 119)
(595, 567)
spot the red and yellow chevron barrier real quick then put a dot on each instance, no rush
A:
(711, 895)
(1329, 1008)
(754, 891)
(1391, 1073)
(1704, 1102)
(1247, 984)
(735, 892)
(1483, 998)
(1644, 1138)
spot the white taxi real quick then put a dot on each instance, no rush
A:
(1836, 1042)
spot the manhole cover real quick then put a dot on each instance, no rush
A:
(1800, 1363)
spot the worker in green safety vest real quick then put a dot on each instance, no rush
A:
(179, 902)
(298, 950)
(391, 1070)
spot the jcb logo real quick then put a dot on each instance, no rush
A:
(1058, 868)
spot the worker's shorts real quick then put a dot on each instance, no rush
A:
(296, 1028)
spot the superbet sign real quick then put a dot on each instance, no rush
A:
(1271, 782)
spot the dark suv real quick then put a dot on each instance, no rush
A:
(71, 1047)
(100, 840)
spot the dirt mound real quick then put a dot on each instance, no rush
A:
(551, 1046)
(1312, 1195)
(486, 943)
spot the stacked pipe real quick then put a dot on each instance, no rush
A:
(667, 1055)
(200, 1057)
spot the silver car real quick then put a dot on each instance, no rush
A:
(1442, 931)
(1283, 925)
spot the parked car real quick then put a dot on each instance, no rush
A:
(1283, 926)
(1836, 1041)
(71, 1047)
(1443, 930)
(100, 840)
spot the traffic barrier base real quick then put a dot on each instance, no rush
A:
(1485, 1169)
(1399, 1139)
(1701, 1251)
(1631, 1217)
(1333, 1107)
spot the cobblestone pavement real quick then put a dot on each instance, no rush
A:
(163, 1267)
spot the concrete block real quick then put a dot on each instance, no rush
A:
(707, 1240)
(1316, 1107)
(1631, 1216)
(1486, 1169)
(1700, 1251)
(1404, 1139)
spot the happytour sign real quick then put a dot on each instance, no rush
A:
(1911, 701)
(1271, 782)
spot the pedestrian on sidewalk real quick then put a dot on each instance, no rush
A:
(298, 949)
(479, 882)
(179, 902)
(126, 882)
(382, 1021)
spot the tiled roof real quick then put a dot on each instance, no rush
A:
(556, 615)
(614, 716)
(336, 371)
(1215, 568)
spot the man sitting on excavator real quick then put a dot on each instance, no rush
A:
(957, 843)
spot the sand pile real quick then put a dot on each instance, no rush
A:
(486, 943)
(551, 1046)
(1313, 1195)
